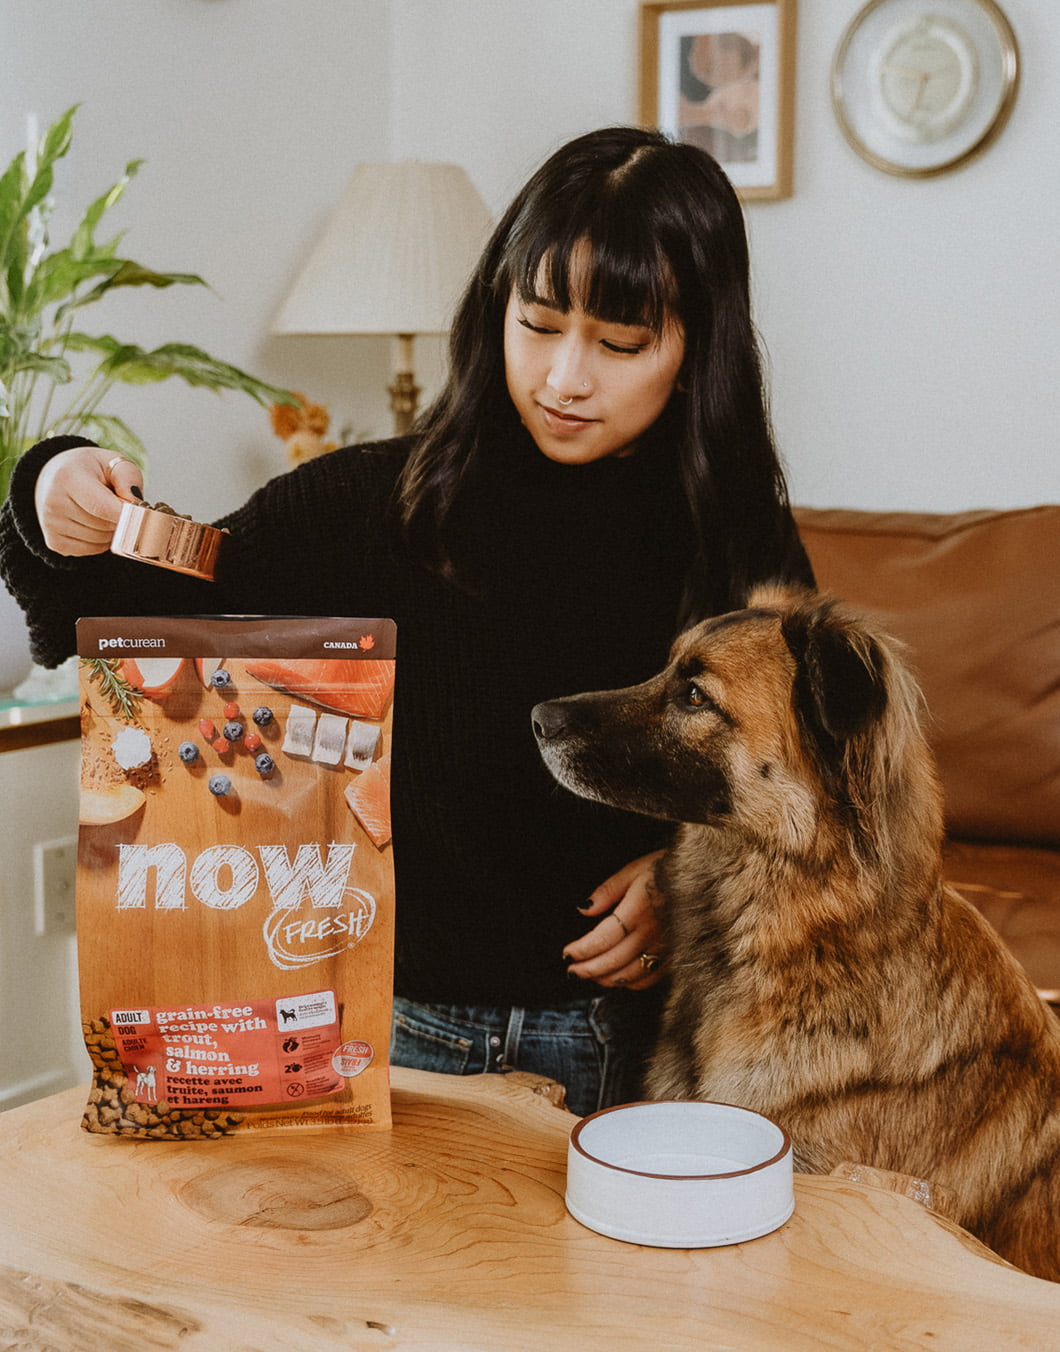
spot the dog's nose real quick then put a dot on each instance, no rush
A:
(549, 721)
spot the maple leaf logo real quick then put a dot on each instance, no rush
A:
(366, 641)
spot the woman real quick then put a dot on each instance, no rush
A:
(597, 473)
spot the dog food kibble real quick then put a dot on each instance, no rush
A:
(220, 785)
(233, 731)
(262, 715)
(188, 752)
(220, 680)
(207, 729)
(113, 1110)
(264, 764)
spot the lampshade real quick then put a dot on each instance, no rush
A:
(395, 255)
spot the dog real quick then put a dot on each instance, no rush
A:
(821, 972)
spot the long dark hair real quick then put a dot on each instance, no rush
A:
(666, 238)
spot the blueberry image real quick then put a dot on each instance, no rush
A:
(188, 752)
(220, 680)
(262, 716)
(233, 731)
(264, 764)
(220, 785)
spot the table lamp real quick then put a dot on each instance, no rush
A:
(393, 259)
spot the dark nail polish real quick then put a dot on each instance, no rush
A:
(136, 492)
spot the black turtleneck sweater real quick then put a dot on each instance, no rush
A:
(579, 569)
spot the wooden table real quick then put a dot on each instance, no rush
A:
(450, 1232)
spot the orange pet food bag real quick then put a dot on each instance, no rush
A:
(235, 881)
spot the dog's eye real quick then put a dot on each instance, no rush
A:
(696, 698)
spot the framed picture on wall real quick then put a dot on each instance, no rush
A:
(722, 76)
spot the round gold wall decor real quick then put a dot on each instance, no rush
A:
(920, 86)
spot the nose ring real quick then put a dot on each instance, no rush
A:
(567, 401)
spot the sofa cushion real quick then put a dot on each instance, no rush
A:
(1017, 888)
(976, 598)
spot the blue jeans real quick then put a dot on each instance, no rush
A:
(595, 1048)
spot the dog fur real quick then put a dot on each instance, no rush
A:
(820, 971)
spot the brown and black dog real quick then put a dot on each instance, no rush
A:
(821, 972)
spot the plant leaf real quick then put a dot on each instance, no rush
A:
(135, 365)
(60, 273)
(19, 195)
(128, 273)
(113, 434)
(55, 368)
(13, 186)
(57, 138)
(83, 240)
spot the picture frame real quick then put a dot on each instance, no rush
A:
(721, 74)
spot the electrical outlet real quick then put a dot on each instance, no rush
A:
(54, 873)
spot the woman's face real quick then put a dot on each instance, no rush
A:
(584, 388)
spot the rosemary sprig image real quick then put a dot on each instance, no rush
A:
(124, 698)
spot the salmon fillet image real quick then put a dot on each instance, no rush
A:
(369, 798)
(346, 686)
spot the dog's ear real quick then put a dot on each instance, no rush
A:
(840, 687)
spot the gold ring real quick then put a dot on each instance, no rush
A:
(114, 460)
(615, 916)
(649, 961)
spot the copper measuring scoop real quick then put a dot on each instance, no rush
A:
(160, 537)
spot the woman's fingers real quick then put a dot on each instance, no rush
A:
(626, 945)
(125, 478)
(77, 498)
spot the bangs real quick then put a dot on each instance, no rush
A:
(614, 275)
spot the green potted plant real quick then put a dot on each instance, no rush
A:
(54, 377)
(43, 291)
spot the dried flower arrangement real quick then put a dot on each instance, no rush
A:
(301, 428)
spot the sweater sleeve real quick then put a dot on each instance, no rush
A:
(54, 590)
(290, 549)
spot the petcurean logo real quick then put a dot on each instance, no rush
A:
(105, 643)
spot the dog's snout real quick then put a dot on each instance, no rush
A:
(549, 720)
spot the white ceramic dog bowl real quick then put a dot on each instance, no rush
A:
(680, 1175)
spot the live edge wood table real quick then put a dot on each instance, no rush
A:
(450, 1232)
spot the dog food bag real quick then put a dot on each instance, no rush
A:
(235, 881)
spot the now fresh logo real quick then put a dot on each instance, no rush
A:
(314, 910)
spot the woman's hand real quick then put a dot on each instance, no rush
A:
(79, 498)
(626, 947)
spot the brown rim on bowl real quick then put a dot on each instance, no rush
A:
(658, 1103)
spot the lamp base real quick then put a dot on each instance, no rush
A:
(404, 398)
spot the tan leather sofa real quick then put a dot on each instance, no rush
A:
(976, 598)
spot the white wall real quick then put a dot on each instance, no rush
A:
(914, 325)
